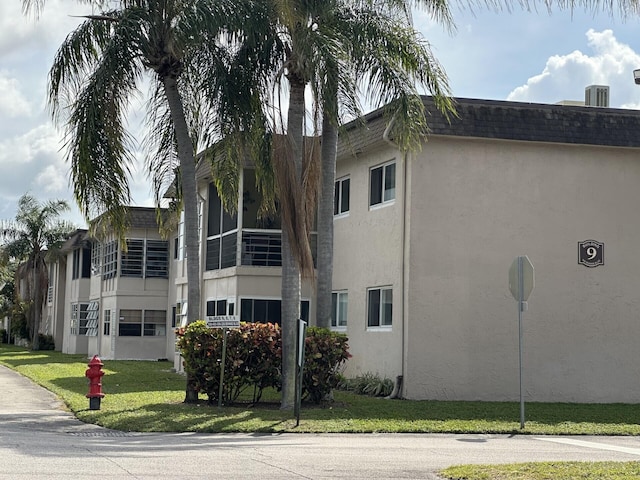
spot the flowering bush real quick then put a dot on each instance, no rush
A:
(254, 359)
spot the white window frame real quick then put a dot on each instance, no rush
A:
(96, 258)
(384, 201)
(338, 308)
(106, 323)
(157, 318)
(79, 319)
(338, 197)
(110, 264)
(382, 322)
(181, 242)
(93, 314)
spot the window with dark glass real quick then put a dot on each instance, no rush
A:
(380, 307)
(267, 311)
(155, 323)
(382, 184)
(132, 259)
(221, 234)
(217, 308)
(110, 265)
(341, 196)
(157, 259)
(130, 323)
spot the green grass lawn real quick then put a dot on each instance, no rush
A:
(546, 471)
(147, 397)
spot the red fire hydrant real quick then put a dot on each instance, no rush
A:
(94, 373)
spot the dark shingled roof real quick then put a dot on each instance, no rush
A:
(76, 239)
(531, 122)
(143, 217)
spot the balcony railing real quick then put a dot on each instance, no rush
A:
(263, 248)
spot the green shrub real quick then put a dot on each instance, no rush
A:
(46, 342)
(325, 354)
(254, 359)
(367, 384)
(4, 336)
(19, 325)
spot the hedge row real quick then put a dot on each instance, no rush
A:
(254, 359)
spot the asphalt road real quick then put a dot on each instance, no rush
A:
(39, 440)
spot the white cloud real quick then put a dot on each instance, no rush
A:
(12, 102)
(565, 76)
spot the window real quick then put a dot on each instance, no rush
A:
(106, 323)
(132, 259)
(145, 258)
(92, 319)
(110, 266)
(96, 258)
(382, 187)
(341, 197)
(130, 324)
(179, 244)
(339, 309)
(155, 323)
(222, 234)
(220, 307)
(76, 265)
(267, 311)
(74, 319)
(216, 308)
(380, 307)
(81, 267)
(157, 259)
(79, 318)
(181, 311)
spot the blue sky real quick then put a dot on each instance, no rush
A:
(518, 55)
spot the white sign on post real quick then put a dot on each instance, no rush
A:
(223, 321)
(521, 283)
(521, 278)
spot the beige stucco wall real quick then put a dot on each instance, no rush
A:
(475, 206)
(368, 253)
(76, 291)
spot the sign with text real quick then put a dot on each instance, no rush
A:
(591, 253)
(223, 321)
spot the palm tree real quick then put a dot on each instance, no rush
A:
(395, 62)
(95, 74)
(31, 239)
(327, 45)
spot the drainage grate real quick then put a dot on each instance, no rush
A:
(104, 434)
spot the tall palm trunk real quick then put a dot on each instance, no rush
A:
(290, 270)
(37, 306)
(325, 222)
(190, 201)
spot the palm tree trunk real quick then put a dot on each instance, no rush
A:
(325, 222)
(190, 203)
(290, 269)
(37, 307)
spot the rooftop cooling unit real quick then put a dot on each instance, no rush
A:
(596, 96)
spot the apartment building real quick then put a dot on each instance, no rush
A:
(423, 243)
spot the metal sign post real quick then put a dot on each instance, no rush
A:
(521, 283)
(224, 355)
(224, 322)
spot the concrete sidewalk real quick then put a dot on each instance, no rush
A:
(25, 405)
